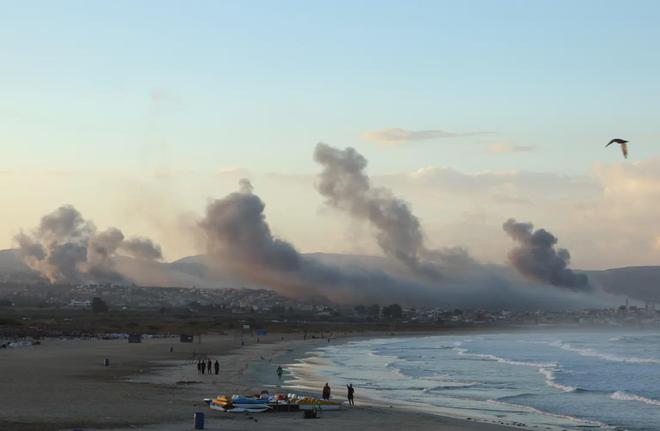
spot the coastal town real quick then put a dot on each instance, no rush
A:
(44, 309)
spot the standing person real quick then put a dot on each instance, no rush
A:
(199, 367)
(217, 367)
(326, 392)
(203, 366)
(209, 364)
(351, 393)
(280, 371)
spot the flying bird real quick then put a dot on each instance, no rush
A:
(623, 143)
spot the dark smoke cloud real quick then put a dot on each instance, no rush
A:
(537, 258)
(236, 228)
(237, 233)
(346, 187)
(239, 240)
(142, 248)
(101, 246)
(65, 224)
(66, 248)
(100, 249)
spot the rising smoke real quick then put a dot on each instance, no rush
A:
(239, 239)
(142, 248)
(238, 235)
(66, 248)
(236, 229)
(537, 258)
(346, 187)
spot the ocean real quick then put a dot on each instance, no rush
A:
(559, 381)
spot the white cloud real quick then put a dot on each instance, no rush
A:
(396, 136)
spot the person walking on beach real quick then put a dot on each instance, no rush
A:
(280, 371)
(217, 367)
(351, 393)
(326, 392)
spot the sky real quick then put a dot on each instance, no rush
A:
(138, 113)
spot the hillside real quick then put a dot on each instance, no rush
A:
(640, 282)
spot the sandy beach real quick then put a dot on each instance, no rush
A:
(64, 385)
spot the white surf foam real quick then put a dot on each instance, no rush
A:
(549, 374)
(626, 396)
(464, 352)
(605, 356)
(583, 422)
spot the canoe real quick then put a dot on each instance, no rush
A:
(217, 407)
(244, 410)
(249, 406)
(238, 409)
(248, 401)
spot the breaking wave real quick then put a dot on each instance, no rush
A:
(585, 422)
(450, 386)
(549, 374)
(486, 357)
(625, 396)
(604, 356)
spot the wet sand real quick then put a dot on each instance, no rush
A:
(63, 384)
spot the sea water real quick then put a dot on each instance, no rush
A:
(585, 380)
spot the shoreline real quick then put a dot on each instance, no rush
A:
(147, 387)
(307, 371)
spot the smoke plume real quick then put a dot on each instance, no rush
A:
(237, 234)
(66, 248)
(346, 187)
(142, 248)
(537, 258)
(236, 229)
(239, 240)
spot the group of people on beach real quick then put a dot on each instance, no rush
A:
(204, 367)
(326, 388)
(350, 393)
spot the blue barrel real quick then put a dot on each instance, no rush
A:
(199, 421)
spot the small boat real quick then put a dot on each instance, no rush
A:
(253, 410)
(221, 401)
(278, 402)
(248, 402)
(239, 409)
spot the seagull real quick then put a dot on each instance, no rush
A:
(623, 143)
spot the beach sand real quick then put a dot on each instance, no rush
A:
(63, 385)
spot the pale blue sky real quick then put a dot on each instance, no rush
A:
(135, 86)
(256, 84)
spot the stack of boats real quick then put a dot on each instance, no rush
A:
(265, 402)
